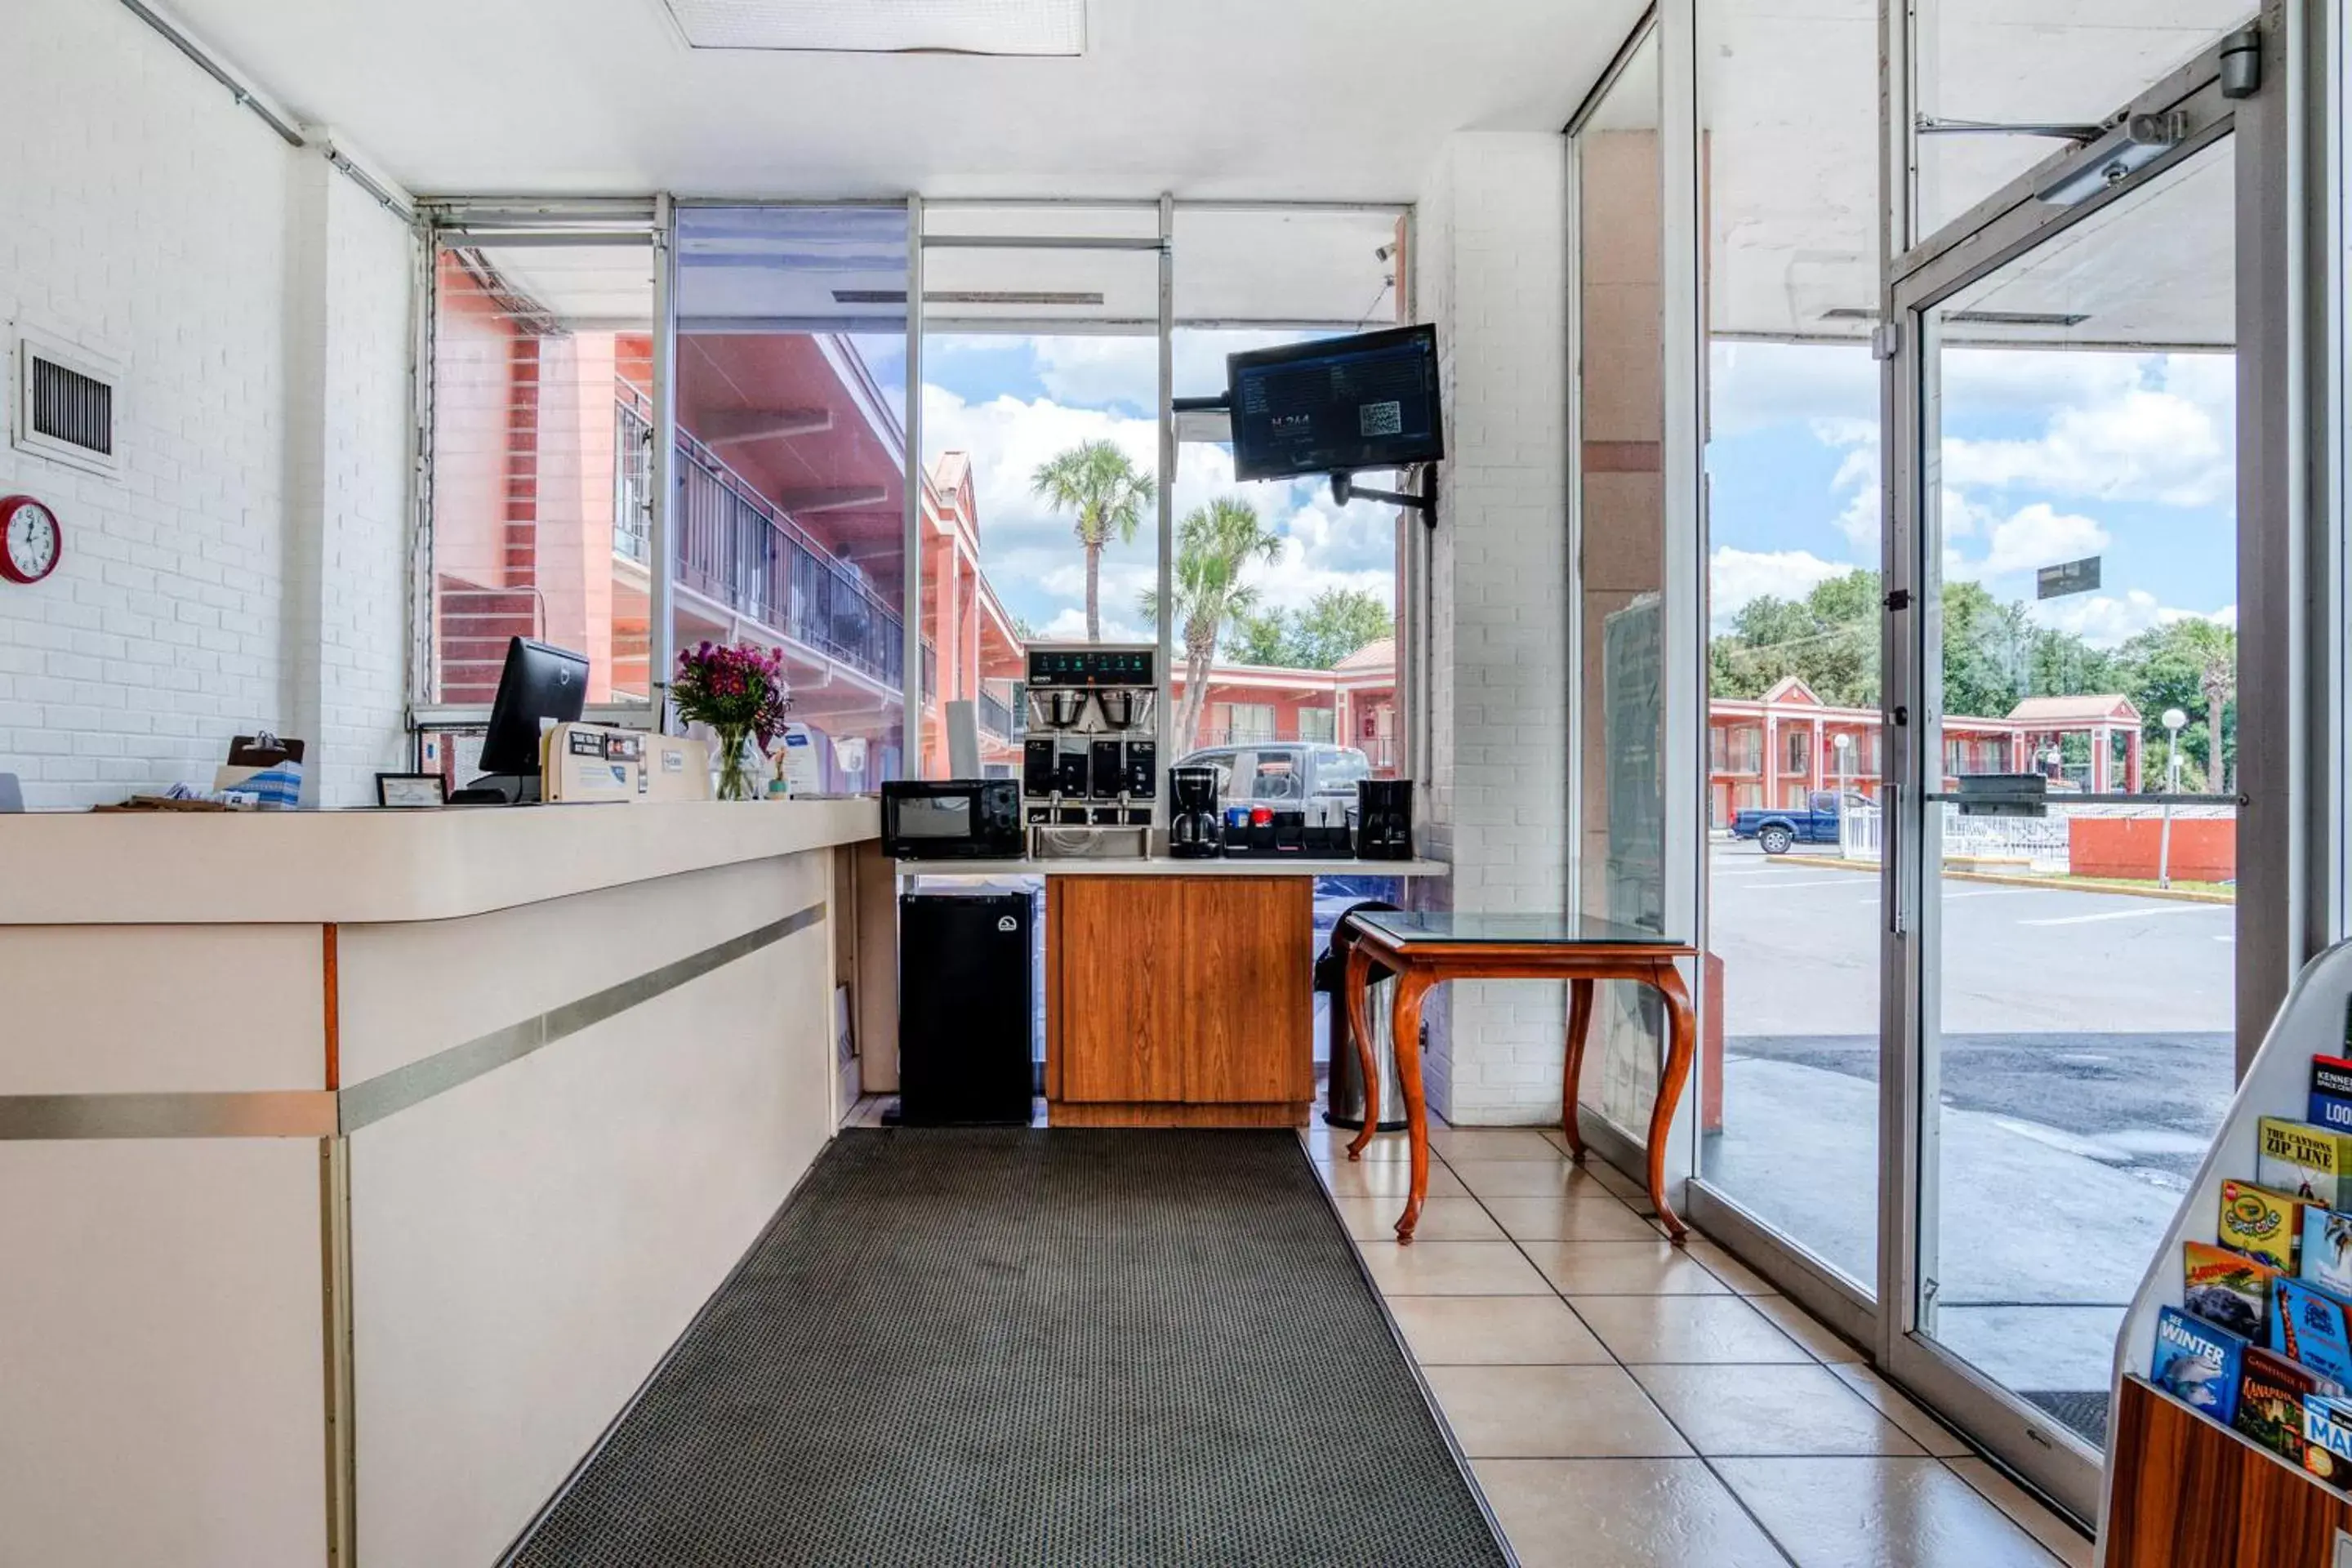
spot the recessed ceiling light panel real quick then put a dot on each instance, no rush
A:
(885, 26)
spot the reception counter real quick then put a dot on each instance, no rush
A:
(355, 1169)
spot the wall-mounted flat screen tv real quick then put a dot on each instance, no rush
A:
(1337, 405)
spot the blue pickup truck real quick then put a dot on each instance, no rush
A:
(1815, 822)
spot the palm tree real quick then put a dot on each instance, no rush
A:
(1213, 544)
(1096, 480)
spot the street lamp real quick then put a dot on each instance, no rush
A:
(2174, 720)
(1842, 745)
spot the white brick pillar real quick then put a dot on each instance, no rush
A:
(350, 266)
(1491, 273)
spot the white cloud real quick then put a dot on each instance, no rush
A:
(1033, 559)
(1754, 385)
(2116, 428)
(1736, 578)
(1098, 369)
(1860, 520)
(1070, 625)
(2038, 536)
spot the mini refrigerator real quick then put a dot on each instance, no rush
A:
(964, 1008)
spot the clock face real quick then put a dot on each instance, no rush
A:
(30, 540)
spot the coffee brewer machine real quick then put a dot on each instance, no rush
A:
(1196, 831)
(1090, 755)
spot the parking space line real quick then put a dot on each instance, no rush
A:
(2123, 915)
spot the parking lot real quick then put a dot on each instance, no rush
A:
(2084, 1051)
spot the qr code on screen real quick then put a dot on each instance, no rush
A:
(1380, 418)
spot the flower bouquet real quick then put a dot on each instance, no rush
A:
(740, 692)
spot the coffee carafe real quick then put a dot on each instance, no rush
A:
(1195, 831)
(1384, 819)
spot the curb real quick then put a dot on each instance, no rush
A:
(2054, 884)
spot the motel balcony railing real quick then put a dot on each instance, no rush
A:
(738, 548)
(996, 716)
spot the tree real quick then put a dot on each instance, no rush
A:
(1214, 545)
(2189, 663)
(1827, 639)
(1335, 625)
(1097, 482)
(1259, 639)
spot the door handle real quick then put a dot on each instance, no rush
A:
(1890, 859)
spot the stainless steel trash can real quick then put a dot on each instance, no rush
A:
(1345, 1106)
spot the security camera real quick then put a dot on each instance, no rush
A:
(1383, 253)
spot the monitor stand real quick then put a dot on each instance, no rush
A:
(499, 789)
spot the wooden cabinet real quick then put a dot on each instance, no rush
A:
(1179, 1000)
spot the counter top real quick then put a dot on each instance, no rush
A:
(1167, 865)
(313, 867)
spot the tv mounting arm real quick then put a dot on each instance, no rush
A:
(1344, 490)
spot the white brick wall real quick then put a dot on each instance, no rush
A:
(145, 216)
(1492, 275)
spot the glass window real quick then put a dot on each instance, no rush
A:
(1278, 776)
(1249, 721)
(1312, 628)
(791, 469)
(1041, 445)
(542, 387)
(1788, 102)
(1979, 63)
(1622, 528)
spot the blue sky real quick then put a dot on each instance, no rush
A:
(1011, 402)
(2048, 456)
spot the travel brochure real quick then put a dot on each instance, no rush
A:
(2263, 1338)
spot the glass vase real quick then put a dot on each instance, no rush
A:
(738, 774)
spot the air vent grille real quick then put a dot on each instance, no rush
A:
(68, 402)
(71, 407)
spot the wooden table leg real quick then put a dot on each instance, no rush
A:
(1353, 992)
(1580, 1026)
(1683, 1034)
(1411, 985)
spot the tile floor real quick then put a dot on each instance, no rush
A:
(1627, 1405)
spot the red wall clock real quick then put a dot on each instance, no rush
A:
(31, 540)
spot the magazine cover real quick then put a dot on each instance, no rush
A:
(2331, 1093)
(2300, 1159)
(2307, 1325)
(2262, 1224)
(2234, 1292)
(2198, 1365)
(2270, 1401)
(2328, 1439)
(2327, 1250)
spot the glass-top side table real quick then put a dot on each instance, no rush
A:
(1428, 948)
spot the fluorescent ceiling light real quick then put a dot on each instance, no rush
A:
(885, 26)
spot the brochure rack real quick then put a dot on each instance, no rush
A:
(2181, 1490)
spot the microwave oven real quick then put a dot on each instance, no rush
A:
(951, 819)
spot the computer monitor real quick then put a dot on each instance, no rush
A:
(541, 685)
(1337, 405)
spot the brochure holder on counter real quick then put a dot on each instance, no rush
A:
(2181, 1490)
